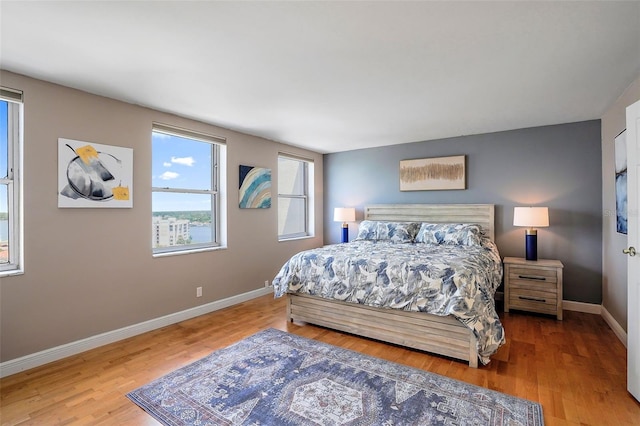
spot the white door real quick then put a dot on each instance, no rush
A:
(633, 263)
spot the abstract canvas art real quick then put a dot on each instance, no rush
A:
(94, 175)
(621, 182)
(433, 174)
(255, 187)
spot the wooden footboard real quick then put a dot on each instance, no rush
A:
(418, 330)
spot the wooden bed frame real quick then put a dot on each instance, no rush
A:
(419, 330)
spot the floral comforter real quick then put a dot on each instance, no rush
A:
(439, 279)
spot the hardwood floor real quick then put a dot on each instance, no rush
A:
(575, 368)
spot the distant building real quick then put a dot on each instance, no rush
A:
(169, 231)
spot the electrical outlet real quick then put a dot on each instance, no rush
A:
(266, 283)
(198, 291)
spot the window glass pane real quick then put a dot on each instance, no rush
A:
(291, 216)
(182, 219)
(10, 146)
(181, 163)
(290, 176)
(4, 224)
(4, 138)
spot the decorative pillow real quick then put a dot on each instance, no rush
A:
(465, 234)
(396, 232)
(368, 230)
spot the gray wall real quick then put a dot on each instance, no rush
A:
(614, 262)
(90, 271)
(555, 166)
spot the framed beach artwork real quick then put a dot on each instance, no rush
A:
(425, 174)
(621, 182)
(255, 187)
(92, 175)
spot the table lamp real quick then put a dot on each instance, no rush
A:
(344, 215)
(531, 217)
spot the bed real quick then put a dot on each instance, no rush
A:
(430, 295)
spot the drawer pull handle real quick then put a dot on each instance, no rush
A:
(533, 299)
(532, 277)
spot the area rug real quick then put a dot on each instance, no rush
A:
(277, 378)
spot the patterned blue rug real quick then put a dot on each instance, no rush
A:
(276, 378)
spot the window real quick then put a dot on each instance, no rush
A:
(11, 257)
(295, 204)
(187, 197)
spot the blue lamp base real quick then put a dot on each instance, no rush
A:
(531, 244)
(345, 233)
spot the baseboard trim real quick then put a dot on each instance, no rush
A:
(587, 308)
(37, 359)
(615, 326)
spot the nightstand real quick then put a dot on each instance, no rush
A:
(533, 285)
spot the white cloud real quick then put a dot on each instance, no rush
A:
(166, 164)
(185, 161)
(169, 175)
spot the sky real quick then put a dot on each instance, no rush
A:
(181, 164)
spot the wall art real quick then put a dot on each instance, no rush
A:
(255, 187)
(621, 182)
(94, 175)
(440, 173)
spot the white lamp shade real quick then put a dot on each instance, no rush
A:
(344, 214)
(532, 217)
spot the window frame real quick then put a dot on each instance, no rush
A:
(307, 196)
(13, 180)
(218, 156)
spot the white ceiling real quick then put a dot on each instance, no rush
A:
(336, 76)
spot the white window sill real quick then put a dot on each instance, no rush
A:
(305, 237)
(183, 252)
(11, 273)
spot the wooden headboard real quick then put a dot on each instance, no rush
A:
(481, 214)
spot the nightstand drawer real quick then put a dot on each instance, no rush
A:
(533, 274)
(533, 304)
(547, 286)
(542, 290)
(523, 296)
